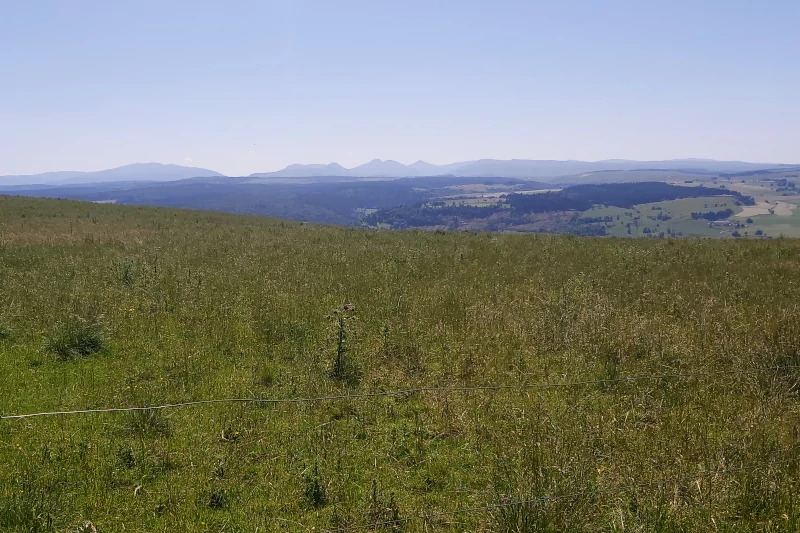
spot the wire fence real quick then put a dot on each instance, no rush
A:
(408, 391)
(434, 517)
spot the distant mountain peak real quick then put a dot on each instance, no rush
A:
(315, 165)
(130, 172)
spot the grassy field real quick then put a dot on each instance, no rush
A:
(680, 212)
(779, 225)
(662, 380)
(774, 214)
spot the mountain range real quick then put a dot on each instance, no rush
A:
(542, 170)
(134, 172)
(512, 168)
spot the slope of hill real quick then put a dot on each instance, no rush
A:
(554, 211)
(582, 197)
(44, 178)
(651, 383)
(327, 201)
(134, 172)
(631, 176)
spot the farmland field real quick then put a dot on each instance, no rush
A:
(642, 385)
(680, 222)
(773, 215)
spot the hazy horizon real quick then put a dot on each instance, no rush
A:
(89, 85)
(700, 159)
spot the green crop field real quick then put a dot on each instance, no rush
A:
(653, 384)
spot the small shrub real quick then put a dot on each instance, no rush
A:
(126, 271)
(218, 499)
(314, 492)
(76, 338)
(344, 368)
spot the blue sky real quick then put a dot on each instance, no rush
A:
(244, 87)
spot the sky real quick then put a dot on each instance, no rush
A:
(243, 87)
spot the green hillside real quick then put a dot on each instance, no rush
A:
(644, 384)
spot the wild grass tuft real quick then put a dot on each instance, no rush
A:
(219, 499)
(149, 422)
(266, 376)
(383, 513)
(75, 338)
(28, 508)
(126, 271)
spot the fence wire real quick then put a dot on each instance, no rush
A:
(408, 391)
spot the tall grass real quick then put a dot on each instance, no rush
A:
(75, 338)
(201, 305)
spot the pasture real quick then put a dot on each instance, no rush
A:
(547, 383)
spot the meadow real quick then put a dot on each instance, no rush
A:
(548, 383)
